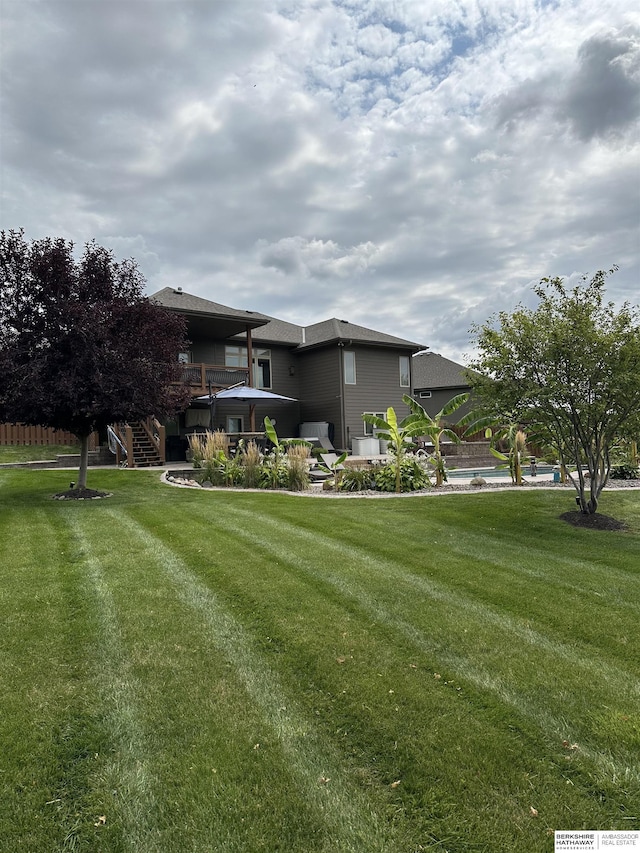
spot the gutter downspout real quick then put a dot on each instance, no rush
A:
(252, 409)
(343, 405)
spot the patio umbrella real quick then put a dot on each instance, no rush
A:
(249, 395)
(246, 394)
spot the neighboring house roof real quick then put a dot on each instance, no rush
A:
(432, 370)
(342, 331)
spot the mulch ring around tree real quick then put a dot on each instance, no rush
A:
(594, 521)
(81, 495)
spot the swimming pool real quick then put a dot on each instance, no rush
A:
(488, 473)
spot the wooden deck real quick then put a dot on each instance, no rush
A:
(205, 377)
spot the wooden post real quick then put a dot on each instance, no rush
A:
(128, 443)
(252, 409)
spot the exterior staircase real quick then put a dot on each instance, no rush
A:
(145, 451)
(140, 444)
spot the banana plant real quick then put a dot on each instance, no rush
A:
(279, 450)
(399, 435)
(436, 428)
(517, 442)
(511, 433)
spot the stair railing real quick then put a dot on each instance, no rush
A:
(156, 434)
(120, 440)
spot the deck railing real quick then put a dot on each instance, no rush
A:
(201, 376)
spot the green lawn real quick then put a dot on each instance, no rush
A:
(189, 671)
(34, 452)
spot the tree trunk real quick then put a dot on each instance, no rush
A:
(598, 477)
(84, 462)
(438, 457)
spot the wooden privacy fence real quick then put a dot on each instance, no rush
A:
(16, 434)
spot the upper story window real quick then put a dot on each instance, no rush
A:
(349, 367)
(262, 368)
(405, 371)
(235, 356)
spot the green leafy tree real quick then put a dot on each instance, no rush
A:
(436, 428)
(571, 369)
(80, 345)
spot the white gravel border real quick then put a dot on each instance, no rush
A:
(446, 489)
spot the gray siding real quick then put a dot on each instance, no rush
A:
(319, 383)
(204, 351)
(377, 387)
(283, 381)
(315, 378)
(285, 416)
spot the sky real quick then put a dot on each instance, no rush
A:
(413, 166)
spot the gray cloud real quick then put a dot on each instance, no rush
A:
(603, 95)
(409, 168)
(598, 98)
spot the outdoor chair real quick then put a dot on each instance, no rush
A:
(330, 460)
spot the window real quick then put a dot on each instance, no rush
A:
(262, 368)
(234, 423)
(235, 356)
(184, 357)
(424, 395)
(349, 367)
(369, 429)
(405, 371)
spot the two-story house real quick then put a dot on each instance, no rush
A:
(335, 370)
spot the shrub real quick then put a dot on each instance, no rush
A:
(297, 467)
(196, 447)
(209, 452)
(356, 480)
(412, 476)
(206, 447)
(626, 471)
(251, 460)
(273, 473)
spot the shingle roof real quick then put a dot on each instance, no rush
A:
(432, 370)
(278, 332)
(342, 330)
(272, 330)
(181, 301)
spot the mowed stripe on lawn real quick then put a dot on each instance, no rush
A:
(388, 591)
(126, 769)
(348, 821)
(259, 672)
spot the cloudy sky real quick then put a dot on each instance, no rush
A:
(409, 165)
